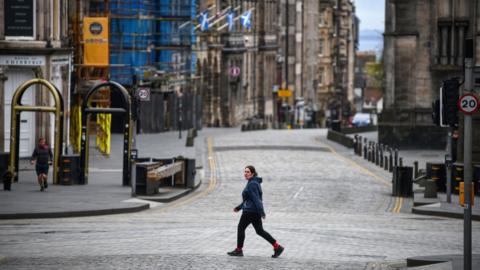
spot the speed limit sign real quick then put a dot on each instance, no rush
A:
(468, 103)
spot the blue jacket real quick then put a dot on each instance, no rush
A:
(252, 197)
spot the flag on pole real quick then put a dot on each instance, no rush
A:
(203, 20)
(246, 19)
(230, 21)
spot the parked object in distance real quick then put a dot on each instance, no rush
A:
(361, 119)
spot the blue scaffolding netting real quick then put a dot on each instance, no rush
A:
(148, 36)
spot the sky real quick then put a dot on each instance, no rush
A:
(372, 22)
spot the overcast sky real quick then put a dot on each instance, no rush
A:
(371, 14)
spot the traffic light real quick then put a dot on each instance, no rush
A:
(448, 102)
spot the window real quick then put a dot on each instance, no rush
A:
(320, 46)
(321, 75)
(451, 42)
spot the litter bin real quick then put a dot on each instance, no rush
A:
(69, 173)
(4, 158)
(190, 173)
(476, 178)
(402, 181)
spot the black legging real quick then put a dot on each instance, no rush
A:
(256, 220)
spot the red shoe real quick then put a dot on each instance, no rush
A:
(277, 252)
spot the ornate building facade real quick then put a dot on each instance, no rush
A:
(424, 45)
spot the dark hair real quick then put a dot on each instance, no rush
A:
(252, 170)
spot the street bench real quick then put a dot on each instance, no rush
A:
(151, 174)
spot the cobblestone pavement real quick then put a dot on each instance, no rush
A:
(328, 213)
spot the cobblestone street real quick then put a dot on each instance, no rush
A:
(328, 213)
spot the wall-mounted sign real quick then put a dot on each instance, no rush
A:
(234, 71)
(284, 93)
(143, 94)
(22, 60)
(95, 41)
(19, 19)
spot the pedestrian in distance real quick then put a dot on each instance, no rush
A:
(252, 213)
(42, 157)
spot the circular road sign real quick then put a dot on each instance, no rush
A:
(234, 71)
(143, 94)
(468, 103)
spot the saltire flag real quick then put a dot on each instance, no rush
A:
(203, 20)
(230, 21)
(246, 19)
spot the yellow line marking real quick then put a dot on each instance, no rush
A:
(398, 200)
(396, 205)
(399, 203)
(211, 185)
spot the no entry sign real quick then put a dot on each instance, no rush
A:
(468, 103)
(234, 71)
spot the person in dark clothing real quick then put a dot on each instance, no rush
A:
(42, 157)
(253, 213)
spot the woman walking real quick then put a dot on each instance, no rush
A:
(41, 157)
(253, 213)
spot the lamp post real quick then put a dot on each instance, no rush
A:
(180, 113)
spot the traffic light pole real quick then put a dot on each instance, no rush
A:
(467, 161)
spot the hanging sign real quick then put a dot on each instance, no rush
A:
(95, 41)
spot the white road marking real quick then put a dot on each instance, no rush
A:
(298, 192)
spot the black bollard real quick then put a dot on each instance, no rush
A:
(355, 143)
(396, 157)
(386, 163)
(365, 150)
(415, 170)
(370, 152)
(381, 156)
(390, 161)
(400, 162)
(377, 154)
(359, 150)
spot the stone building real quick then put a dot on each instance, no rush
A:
(338, 42)
(423, 45)
(34, 43)
(236, 68)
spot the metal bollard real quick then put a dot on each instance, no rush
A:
(365, 150)
(415, 169)
(369, 157)
(359, 150)
(400, 162)
(381, 156)
(385, 163)
(377, 154)
(372, 152)
(355, 143)
(396, 157)
(390, 161)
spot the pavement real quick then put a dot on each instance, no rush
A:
(104, 194)
(329, 208)
(430, 206)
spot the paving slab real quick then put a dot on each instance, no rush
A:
(451, 261)
(104, 193)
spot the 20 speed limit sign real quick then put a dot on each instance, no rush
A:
(468, 103)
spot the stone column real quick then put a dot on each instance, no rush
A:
(3, 78)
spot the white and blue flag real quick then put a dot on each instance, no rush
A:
(230, 21)
(246, 19)
(203, 20)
